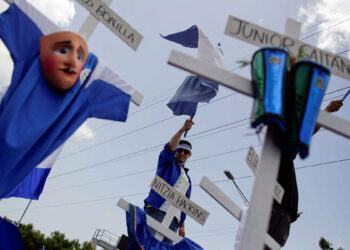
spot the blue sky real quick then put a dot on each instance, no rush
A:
(113, 160)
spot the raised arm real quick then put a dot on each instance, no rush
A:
(174, 141)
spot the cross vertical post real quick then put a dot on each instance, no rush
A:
(259, 210)
(90, 24)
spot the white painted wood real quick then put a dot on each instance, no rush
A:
(244, 86)
(260, 204)
(179, 200)
(170, 214)
(113, 22)
(252, 160)
(259, 210)
(90, 24)
(263, 37)
(230, 206)
(334, 123)
(153, 223)
(220, 197)
(211, 72)
(86, 30)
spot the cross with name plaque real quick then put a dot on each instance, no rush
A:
(258, 214)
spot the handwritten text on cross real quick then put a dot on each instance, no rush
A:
(178, 200)
(113, 21)
(262, 37)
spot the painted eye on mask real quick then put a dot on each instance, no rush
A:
(63, 50)
(80, 56)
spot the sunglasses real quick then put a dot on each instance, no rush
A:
(185, 151)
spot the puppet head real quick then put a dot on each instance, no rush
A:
(62, 57)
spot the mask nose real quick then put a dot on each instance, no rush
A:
(72, 61)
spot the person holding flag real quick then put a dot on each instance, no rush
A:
(171, 168)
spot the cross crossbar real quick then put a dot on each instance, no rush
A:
(179, 200)
(207, 185)
(263, 37)
(113, 21)
(244, 86)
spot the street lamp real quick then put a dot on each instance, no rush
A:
(230, 176)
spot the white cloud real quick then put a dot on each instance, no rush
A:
(61, 12)
(84, 132)
(330, 19)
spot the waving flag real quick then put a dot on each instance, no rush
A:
(195, 89)
(32, 186)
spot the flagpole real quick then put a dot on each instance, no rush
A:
(24, 212)
(187, 129)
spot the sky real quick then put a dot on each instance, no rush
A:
(104, 161)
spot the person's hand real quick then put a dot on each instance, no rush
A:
(182, 231)
(334, 106)
(188, 124)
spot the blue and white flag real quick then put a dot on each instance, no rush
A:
(32, 186)
(195, 89)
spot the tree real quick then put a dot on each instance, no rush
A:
(324, 244)
(34, 240)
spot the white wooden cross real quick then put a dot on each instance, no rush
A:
(252, 160)
(260, 207)
(123, 204)
(177, 201)
(101, 12)
(170, 214)
(225, 201)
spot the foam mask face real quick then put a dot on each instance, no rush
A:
(62, 57)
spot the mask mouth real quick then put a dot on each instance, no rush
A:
(68, 71)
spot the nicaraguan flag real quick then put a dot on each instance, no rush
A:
(195, 89)
(32, 186)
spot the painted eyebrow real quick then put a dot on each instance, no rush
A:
(63, 42)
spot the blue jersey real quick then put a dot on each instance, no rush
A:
(169, 170)
(34, 119)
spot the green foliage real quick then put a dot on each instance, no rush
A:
(324, 244)
(34, 240)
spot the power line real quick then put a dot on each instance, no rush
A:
(327, 28)
(144, 193)
(143, 151)
(335, 18)
(138, 129)
(102, 180)
(131, 113)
